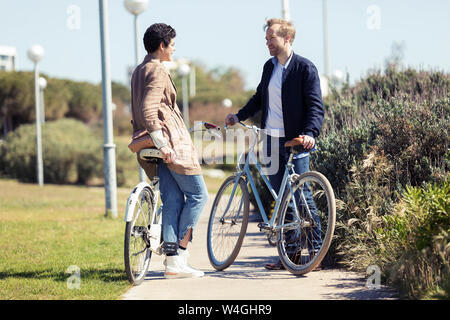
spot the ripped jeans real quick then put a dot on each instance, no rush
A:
(183, 198)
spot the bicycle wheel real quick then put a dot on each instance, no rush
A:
(137, 251)
(304, 238)
(226, 230)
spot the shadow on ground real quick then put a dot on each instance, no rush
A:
(357, 291)
(105, 275)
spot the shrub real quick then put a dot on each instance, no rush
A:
(414, 242)
(414, 135)
(339, 151)
(387, 136)
(71, 153)
(387, 132)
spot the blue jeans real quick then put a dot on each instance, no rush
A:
(183, 198)
(301, 165)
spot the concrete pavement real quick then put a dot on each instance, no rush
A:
(247, 279)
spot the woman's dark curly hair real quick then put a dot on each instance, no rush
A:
(157, 33)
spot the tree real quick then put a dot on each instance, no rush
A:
(16, 99)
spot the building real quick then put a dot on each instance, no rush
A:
(8, 58)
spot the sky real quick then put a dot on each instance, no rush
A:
(228, 34)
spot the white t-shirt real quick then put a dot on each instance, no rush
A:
(274, 122)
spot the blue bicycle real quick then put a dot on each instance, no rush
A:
(303, 219)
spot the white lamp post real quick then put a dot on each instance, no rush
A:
(42, 86)
(227, 103)
(325, 38)
(109, 157)
(35, 54)
(183, 71)
(285, 12)
(136, 7)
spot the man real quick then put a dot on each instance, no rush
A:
(290, 101)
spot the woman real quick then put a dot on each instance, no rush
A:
(183, 190)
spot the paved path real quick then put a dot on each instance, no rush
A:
(247, 278)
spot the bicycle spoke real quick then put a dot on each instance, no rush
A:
(226, 223)
(138, 252)
(304, 232)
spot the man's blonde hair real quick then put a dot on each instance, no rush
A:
(286, 28)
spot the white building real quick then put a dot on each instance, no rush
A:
(8, 58)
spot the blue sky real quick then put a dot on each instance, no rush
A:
(230, 33)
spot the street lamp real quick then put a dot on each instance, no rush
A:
(325, 38)
(109, 156)
(35, 54)
(136, 7)
(285, 12)
(183, 71)
(227, 103)
(42, 86)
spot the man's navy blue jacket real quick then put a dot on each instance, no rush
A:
(301, 98)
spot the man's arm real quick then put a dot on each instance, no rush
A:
(313, 100)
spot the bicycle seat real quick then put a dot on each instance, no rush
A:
(150, 154)
(296, 145)
(294, 142)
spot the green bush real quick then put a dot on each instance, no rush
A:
(404, 115)
(415, 136)
(386, 134)
(413, 244)
(127, 168)
(71, 153)
(339, 151)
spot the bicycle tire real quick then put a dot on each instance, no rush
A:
(141, 220)
(227, 228)
(294, 260)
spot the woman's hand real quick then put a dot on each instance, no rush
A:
(168, 154)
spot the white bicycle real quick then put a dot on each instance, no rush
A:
(143, 230)
(143, 223)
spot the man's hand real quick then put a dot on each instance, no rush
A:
(168, 154)
(308, 142)
(231, 119)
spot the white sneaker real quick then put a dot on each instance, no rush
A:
(177, 267)
(185, 255)
(182, 253)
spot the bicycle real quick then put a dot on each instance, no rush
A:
(143, 229)
(295, 226)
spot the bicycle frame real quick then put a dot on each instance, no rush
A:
(245, 172)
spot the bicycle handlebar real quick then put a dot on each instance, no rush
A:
(245, 126)
(257, 130)
(207, 125)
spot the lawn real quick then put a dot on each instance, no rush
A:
(44, 231)
(48, 232)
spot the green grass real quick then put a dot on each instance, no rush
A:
(46, 230)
